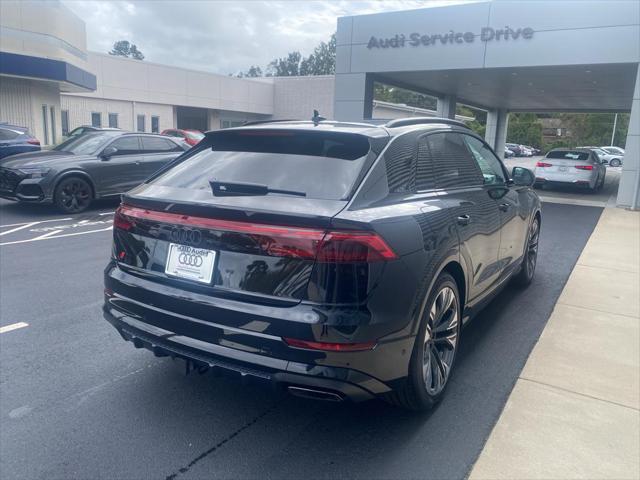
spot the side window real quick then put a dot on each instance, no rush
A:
(400, 161)
(156, 145)
(425, 172)
(489, 164)
(453, 165)
(126, 145)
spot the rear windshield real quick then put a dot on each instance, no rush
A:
(568, 155)
(323, 165)
(195, 135)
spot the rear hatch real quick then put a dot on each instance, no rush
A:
(566, 163)
(248, 214)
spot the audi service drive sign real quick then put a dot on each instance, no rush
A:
(191, 263)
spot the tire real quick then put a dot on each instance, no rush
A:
(527, 270)
(428, 377)
(73, 195)
(615, 162)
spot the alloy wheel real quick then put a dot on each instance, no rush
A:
(441, 340)
(532, 247)
(75, 195)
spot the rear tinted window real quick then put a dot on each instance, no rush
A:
(321, 164)
(568, 155)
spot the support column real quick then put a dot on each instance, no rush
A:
(353, 97)
(447, 106)
(496, 130)
(629, 189)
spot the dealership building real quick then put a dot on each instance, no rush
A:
(500, 56)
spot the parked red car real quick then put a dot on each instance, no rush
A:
(192, 137)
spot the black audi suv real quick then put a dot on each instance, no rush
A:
(335, 260)
(85, 168)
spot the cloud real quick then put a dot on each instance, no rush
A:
(221, 36)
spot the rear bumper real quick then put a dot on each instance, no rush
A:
(337, 383)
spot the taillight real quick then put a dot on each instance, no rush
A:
(348, 247)
(33, 141)
(120, 220)
(544, 165)
(584, 167)
(329, 346)
(278, 241)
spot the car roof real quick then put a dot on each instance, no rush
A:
(9, 126)
(388, 128)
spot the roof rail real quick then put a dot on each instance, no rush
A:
(404, 122)
(258, 122)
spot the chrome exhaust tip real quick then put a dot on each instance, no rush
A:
(314, 394)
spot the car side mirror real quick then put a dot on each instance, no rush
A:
(523, 176)
(108, 152)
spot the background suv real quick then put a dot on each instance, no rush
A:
(336, 260)
(85, 167)
(15, 139)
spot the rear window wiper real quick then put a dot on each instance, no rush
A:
(231, 189)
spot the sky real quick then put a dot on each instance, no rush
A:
(221, 36)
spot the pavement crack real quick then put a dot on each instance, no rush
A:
(222, 442)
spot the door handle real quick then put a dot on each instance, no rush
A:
(504, 206)
(464, 220)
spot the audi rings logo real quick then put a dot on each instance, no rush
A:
(183, 235)
(190, 259)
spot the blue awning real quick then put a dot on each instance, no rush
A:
(45, 69)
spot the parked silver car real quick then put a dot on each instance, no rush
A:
(617, 155)
(579, 166)
(612, 159)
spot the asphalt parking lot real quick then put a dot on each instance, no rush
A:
(76, 401)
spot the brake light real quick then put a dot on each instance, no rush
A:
(329, 346)
(121, 221)
(278, 241)
(33, 141)
(584, 167)
(544, 164)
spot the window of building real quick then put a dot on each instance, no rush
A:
(65, 122)
(140, 123)
(45, 125)
(489, 164)
(155, 124)
(52, 111)
(113, 120)
(128, 145)
(96, 119)
(155, 145)
(452, 162)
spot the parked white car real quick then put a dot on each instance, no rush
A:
(618, 155)
(579, 166)
(614, 160)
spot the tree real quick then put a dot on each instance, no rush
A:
(123, 48)
(288, 66)
(322, 61)
(525, 129)
(254, 71)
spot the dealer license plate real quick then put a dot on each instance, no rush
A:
(191, 263)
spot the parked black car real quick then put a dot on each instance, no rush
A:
(336, 260)
(84, 168)
(15, 139)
